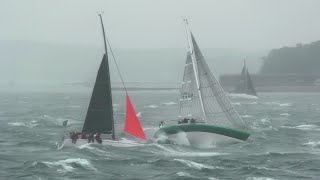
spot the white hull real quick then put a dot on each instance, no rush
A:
(107, 142)
(201, 139)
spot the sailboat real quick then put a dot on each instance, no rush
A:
(99, 118)
(206, 115)
(245, 85)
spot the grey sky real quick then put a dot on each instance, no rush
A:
(157, 24)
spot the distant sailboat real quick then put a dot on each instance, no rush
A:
(99, 118)
(206, 114)
(245, 85)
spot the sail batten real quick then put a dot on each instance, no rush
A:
(217, 106)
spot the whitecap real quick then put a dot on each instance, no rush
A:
(175, 153)
(236, 104)
(260, 178)
(139, 114)
(153, 106)
(29, 125)
(306, 127)
(169, 103)
(196, 165)
(66, 164)
(302, 127)
(313, 143)
(246, 116)
(264, 120)
(183, 174)
(285, 104)
(212, 178)
(253, 103)
(244, 96)
(285, 114)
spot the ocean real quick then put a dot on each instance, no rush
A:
(284, 144)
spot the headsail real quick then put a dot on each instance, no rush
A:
(99, 117)
(245, 84)
(132, 125)
(218, 108)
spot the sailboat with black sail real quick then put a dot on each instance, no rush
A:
(99, 121)
(206, 115)
(245, 85)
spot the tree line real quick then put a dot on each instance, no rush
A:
(301, 59)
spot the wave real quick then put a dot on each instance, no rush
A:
(153, 106)
(303, 127)
(312, 144)
(285, 104)
(285, 114)
(29, 125)
(253, 103)
(260, 178)
(236, 104)
(246, 116)
(212, 178)
(196, 165)
(139, 114)
(181, 153)
(183, 174)
(66, 164)
(245, 96)
(279, 104)
(169, 103)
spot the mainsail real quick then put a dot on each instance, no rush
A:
(206, 102)
(245, 85)
(99, 117)
(190, 105)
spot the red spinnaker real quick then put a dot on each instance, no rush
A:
(132, 125)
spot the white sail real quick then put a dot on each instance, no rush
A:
(218, 108)
(190, 105)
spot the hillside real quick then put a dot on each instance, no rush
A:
(302, 59)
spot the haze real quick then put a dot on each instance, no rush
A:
(60, 41)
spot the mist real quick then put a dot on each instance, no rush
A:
(58, 42)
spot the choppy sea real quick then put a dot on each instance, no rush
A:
(285, 140)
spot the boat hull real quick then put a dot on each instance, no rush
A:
(107, 142)
(200, 135)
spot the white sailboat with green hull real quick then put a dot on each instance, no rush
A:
(203, 100)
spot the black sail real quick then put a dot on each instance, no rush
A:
(99, 117)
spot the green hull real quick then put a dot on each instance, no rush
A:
(233, 133)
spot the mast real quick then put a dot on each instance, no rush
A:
(195, 67)
(108, 74)
(245, 77)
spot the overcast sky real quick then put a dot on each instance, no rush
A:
(253, 24)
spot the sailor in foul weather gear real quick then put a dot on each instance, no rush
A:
(91, 137)
(98, 138)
